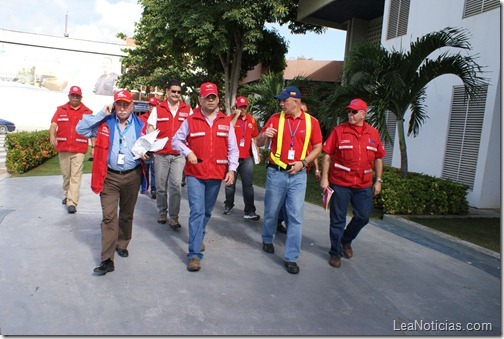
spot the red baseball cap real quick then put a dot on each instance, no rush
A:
(208, 88)
(153, 101)
(75, 90)
(358, 104)
(123, 95)
(241, 101)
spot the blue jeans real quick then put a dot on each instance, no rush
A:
(281, 187)
(202, 195)
(362, 206)
(245, 170)
(169, 170)
(150, 174)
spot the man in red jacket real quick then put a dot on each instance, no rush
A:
(70, 145)
(208, 141)
(351, 151)
(169, 164)
(150, 171)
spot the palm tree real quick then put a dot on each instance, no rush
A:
(262, 93)
(393, 81)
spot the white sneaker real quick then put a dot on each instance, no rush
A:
(251, 216)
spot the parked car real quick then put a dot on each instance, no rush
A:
(6, 126)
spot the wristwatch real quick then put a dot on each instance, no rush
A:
(304, 163)
(379, 180)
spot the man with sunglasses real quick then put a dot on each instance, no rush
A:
(168, 163)
(115, 174)
(350, 152)
(71, 147)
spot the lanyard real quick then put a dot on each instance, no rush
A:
(243, 126)
(122, 135)
(290, 131)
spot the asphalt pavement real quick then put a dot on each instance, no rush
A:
(402, 280)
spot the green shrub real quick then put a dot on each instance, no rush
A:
(27, 150)
(420, 194)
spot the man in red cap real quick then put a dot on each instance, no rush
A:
(71, 147)
(245, 130)
(150, 171)
(207, 139)
(115, 175)
(167, 118)
(350, 152)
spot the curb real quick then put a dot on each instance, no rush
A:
(402, 222)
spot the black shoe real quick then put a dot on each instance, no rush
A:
(105, 267)
(281, 228)
(292, 267)
(63, 201)
(90, 159)
(227, 209)
(153, 194)
(71, 209)
(122, 253)
(268, 248)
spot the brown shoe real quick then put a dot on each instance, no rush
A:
(173, 222)
(194, 265)
(202, 247)
(347, 251)
(162, 218)
(335, 261)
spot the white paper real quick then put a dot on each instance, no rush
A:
(255, 152)
(148, 143)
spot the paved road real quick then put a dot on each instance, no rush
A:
(396, 284)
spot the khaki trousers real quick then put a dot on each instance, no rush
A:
(120, 191)
(71, 165)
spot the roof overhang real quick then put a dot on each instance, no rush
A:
(337, 13)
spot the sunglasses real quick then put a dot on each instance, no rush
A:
(353, 111)
(173, 91)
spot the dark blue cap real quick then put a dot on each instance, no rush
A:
(289, 92)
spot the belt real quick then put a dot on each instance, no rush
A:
(122, 172)
(278, 168)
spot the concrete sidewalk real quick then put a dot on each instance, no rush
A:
(398, 283)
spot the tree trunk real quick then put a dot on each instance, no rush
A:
(402, 147)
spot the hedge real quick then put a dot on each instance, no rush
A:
(27, 150)
(420, 194)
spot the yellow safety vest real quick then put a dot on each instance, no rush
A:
(281, 123)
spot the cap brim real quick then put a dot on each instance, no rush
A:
(210, 94)
(122, 99)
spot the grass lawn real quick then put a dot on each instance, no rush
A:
(484, 232)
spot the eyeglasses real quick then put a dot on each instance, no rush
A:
(77, 96)
(122, 104)
(353, 111)
(173, 91)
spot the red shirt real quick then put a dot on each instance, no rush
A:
(245, 130)
(293, 135)
(353, 155)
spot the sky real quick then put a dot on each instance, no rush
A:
(101, 20)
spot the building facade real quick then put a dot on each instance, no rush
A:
(460, 141)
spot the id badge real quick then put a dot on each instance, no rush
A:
(290, 155)
(242, 143)
(120, 159)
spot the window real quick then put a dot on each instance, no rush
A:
(474, 7)
(464, 134)
(398, 18)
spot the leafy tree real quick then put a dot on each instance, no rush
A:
(395, 81)
(209, 40)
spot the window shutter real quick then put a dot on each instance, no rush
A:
(391, 129)
(398, 18)
(475, 7)
(464, 135)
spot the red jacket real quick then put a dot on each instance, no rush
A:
(67, 117)
(168, 125)
(209, 144)
(105, 133)
(353, 155)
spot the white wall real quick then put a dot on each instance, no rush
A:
(426, 152)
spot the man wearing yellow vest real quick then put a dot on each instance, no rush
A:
(291, 132)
